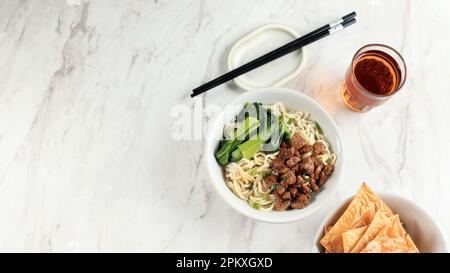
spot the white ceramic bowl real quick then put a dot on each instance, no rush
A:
(418, 223)
(292, 100)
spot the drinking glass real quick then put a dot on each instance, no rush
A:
(376, 73)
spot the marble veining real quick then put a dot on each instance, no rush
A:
(88, 161)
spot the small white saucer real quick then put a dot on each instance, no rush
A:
(258, 42)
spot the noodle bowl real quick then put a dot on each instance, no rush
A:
(245, 178)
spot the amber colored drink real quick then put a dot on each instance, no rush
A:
(376, 73)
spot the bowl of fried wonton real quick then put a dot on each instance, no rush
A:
(384, 223)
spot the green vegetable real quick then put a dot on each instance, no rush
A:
(245, 128)
(236, 155)
(249, 125)
(249, 148)
(258, 111)
(256, 205)
(285, 130)
(250, 110)
(222, 142)
(259, 130)
(276, 137)
(254, 171)
(274, 187)
(223, 155)
(265, 173)
(318, 127)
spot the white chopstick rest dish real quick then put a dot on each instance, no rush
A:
(258, 42)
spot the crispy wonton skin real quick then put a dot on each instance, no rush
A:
(359, 213)
(380, 220)
(392, 239)
(351, 237)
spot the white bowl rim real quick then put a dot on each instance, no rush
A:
(383, 196)
(282, 217)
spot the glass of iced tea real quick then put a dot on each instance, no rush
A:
(376, 73)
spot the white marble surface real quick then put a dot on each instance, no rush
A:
(87, 158)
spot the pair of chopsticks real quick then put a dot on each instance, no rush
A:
(307, 39)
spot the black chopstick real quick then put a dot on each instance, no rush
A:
(330, 25)
(277, 53)
(311, 37)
